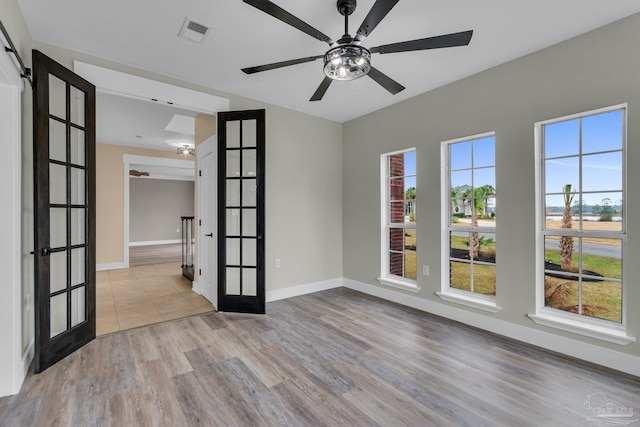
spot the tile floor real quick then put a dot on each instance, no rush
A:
(138, 296)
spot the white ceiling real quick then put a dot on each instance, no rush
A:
(143, 33)
(138, 123)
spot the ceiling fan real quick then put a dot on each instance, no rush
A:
(347, 59)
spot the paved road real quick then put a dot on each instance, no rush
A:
(589, 248)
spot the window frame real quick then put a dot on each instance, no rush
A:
(448, 293)
(602, 329)
(386, 278)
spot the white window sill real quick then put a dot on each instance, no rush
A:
(614, 335)
(400, 284)
(470, 301)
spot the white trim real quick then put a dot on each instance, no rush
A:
(111, 266)
(580, 350)
(128, 160)
(577, 327)
(165, 177)
(123, 84)
(470, 300)
(155, 242)
(308, 288)
(12, 302)
(407, 285)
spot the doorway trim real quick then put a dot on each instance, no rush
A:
(130, 159)
(14, 360)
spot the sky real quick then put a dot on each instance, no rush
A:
(600, 138)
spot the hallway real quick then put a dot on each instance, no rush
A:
(138, 296)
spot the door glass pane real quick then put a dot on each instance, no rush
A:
(233, 192)
(233, 163)
(249, 286)
(249, 133)
(77, 226)
(77, 106)
(78, 308)
(233, 251)
(58, 227)
(77, 147)
(249, 224)
(249, 252)
(57, 271)
(233, 281)
(77, 266)
(58, 314)
(233, 134)
(57, 184)
(57, 140)
(233, 222)
(249, 192)
(57, 97)
(249, 163)
(77, 186)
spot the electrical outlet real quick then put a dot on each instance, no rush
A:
(425, 270)
(177, 230)
(277, 263)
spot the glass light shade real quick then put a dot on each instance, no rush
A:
(347, 62)
(186, 151)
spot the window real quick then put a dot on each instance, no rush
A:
(399, 264)
(469, 203)
(581, 217)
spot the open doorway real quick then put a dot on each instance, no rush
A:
(143, 189)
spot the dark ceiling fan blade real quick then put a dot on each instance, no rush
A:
(281, 14)
(322, 89)
(378, 11)
(437, 42)
(267, 67)
(385, 81)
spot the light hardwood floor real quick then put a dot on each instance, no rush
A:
(155, 254)
(333, 358)
(139, 296)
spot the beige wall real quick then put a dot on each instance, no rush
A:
(110, 199)
(594, 70)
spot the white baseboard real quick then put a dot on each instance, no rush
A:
(570, 347)
(154, 242)
(110, 266)
(27, 358)
(308, 288)
(195, 287)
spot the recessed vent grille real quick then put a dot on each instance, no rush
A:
(193, 30)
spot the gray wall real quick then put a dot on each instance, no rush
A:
(155, 208)
(594, 70)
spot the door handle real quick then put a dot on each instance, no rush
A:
(46, 251)
(209, 235)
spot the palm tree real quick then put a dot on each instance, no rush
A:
(566, 242)
(480, 199)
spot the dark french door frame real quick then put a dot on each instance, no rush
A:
(228, 302)
(49, 350)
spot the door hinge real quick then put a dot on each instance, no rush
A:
(200, 222)
(199, 272)
(199, 173)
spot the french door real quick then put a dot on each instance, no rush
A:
(241, 171)
(64, 211)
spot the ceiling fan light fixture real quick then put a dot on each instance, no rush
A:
(186, 151)
(347, 62)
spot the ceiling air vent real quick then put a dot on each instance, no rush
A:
(193, 30)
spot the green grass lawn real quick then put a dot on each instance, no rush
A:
(599, 299)
(410, 259)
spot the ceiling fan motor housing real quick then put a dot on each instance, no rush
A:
(346, 7)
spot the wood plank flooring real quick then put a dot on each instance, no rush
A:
(333, 358)
(155, 254)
